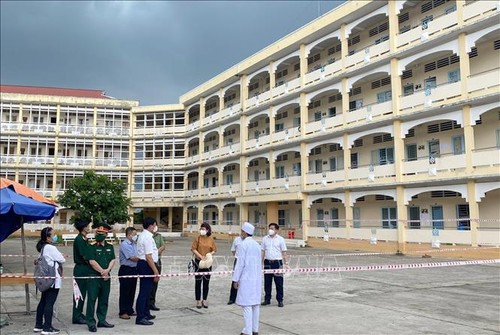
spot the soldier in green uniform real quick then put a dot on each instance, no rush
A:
(81, 269)
(101, 256)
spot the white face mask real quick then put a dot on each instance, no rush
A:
(203, 232)
(155, 229)
(134, 238)
(271, 232)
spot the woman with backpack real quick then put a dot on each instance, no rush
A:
(54, 258)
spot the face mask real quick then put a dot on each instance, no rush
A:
(155, 229)
(271, 232)
(134, 238)
(100, 238)
(54, 239)
(203, 232)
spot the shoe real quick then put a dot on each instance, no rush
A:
(154, 308)
(50, 331)
(255, 333)
(230, 302)
(280, 304)
(80, 321)
(92, 329)
(266, 302)
(132, 314)
(144, 322)
(105, 324)
(203, 304)
(37, 329)
(200, 305)
(150, 317)
(124, 316)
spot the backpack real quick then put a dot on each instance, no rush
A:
(43, 269)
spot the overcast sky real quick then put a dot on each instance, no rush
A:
(148, 51)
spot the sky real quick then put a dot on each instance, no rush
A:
(153, 52)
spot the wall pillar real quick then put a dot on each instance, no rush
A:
(306, 217)
(272, 212)
(464, 63)
(348, 213)
(473, 212)
(402, 215)
(469, 144)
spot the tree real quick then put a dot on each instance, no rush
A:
(96, 198)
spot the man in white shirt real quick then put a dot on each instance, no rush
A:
(148, 256)
(273, 255)
(234, 249)
(247, 279)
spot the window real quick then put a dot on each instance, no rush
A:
(297, 169)
(354, 160)
(430, 83)
(317, 116)
(280, 172)
(279, 127)
(332, 111)
(458, 144)
(356, 216)
(383, 156)
(434, 148)
(411, 152)
(414, 217)
(384, 96)
(389, 218)
(282, 216)
(408, 89)
(454, 76)
(229, 179)
(463, 222)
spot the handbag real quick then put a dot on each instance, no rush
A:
(191, 266)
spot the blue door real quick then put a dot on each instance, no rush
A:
(437, 217)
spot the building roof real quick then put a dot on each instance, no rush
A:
(68, 92)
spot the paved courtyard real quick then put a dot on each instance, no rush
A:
(434, 300)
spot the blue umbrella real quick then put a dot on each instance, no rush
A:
(16, 209)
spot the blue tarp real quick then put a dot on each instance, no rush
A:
(15, 207)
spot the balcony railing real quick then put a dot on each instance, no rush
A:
(258, 98)
(329, 69)
(210, 155)
(230, 149)
(434, 165)
(160, 162)
(422, 32)
(484, 82)
(8, 159)
(479, 9)
(193, 125)
(235, 109)
(79, 129)
(36, 160)
(372, 172)
(232, 190)
(74, 161)
(111, 162)
(486, 157)
(256, 143)
(431, 97)
(286, 135)
(324, 125)
(258, 187)
(369, 112)
(324, 179)
(368, 53)
(152, 196)
(287, 87)
(286, 184)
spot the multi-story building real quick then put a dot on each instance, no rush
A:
(378, 119)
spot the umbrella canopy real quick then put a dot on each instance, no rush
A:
(24, 190)
(16, 208)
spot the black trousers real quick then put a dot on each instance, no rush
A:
(127, 289)
(152, 297)
(268, 280)
(199, 280)
(45, 309)
(233, 292)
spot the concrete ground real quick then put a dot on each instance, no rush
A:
(445, 300)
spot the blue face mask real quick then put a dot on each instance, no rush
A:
(54, 239)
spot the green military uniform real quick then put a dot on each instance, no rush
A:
(81, 269)
(159, 243)
(98, 289)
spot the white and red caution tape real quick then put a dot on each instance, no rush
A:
(294, 270)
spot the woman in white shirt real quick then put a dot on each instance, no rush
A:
(45, 307)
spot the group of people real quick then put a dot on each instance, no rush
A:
(140, 256)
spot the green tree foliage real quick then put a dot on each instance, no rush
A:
(96, 198)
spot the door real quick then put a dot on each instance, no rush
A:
(256, 175)
(320, 216)
(414, 217)
(334, 216)
(430, 83)
(354, 160)
(434, 148)
(453, 76)
(318, 165)
(463, 222)
(437, 217)
(411, 152)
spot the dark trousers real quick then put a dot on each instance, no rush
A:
(199, 280)
(152, 297)
(127, 289)
(233, 292)
(97, 291)
(278, 280)
(145, 286)
(79, 271)
(45, 308)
